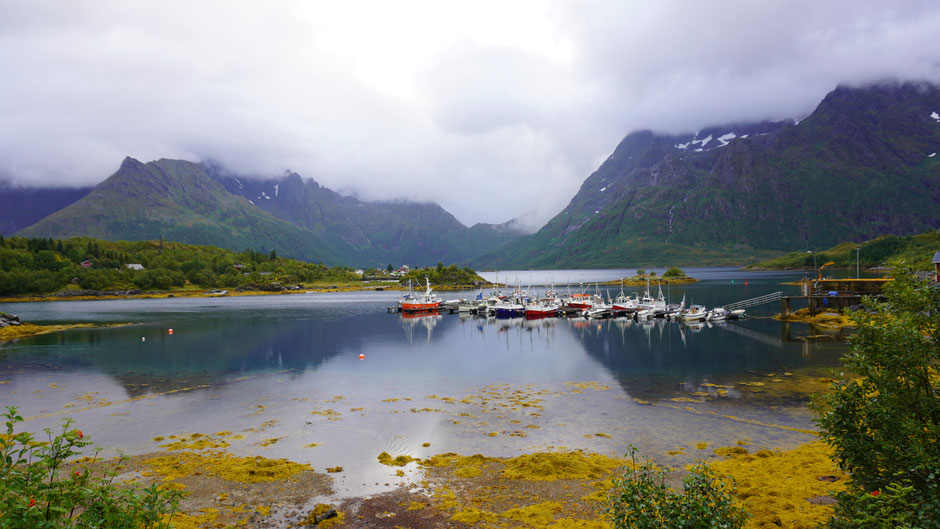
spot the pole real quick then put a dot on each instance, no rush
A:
(857, 274)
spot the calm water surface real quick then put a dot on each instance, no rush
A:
(287, 368)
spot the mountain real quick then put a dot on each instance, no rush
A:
(379, 232)
(863, 164)
(23, 206)
(177, 200)
(202, 204)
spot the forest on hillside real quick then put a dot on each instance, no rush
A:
(43, 265)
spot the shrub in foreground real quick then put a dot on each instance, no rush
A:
(640, 499)
(36, 491)
(885, 425)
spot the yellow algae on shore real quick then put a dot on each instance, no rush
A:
(789, 489)
(223, 465)
(827, 319)
(398, 461)
(14, 332)
(550, 466)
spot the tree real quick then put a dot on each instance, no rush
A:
(674, 272)
(389, 268)
(885, 425)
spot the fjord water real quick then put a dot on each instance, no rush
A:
(282, 373)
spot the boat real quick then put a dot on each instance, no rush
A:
(583, 300)
(624, 303)
(694, 313)
(512, 306)
(541, 308)
(412, 303)
(673, 311)
(717, 314)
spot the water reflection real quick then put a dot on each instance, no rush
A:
(242, 363)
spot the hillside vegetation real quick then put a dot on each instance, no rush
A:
(914, 251)
(40, 265)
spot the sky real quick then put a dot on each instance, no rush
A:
(493, 109)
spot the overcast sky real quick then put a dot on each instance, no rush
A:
(492, 109)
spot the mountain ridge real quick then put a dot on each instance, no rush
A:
(858, 166)
(203, 204)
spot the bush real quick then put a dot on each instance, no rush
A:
(36, 492)
(885, 425)
(640, 499)
(674, 272)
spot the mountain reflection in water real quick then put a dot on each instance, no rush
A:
(289, 367)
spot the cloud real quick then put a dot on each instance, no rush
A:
(492, 109)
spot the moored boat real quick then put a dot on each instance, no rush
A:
(412, 303)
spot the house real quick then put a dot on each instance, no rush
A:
(86, 264)
(135, 266)
(936, 264)
(358, 272)
(238, 266)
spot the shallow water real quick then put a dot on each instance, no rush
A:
(287, 367)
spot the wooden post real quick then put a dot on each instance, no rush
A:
(784, 307)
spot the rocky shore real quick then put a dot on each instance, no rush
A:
(7, 320)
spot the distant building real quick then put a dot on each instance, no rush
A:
(238, 266)
(358, 272)
(135, 266)
(936, 264)
(86, 264)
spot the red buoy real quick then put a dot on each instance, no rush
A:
(361, 356)
(170, 331)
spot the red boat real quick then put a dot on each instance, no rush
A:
(409, 302)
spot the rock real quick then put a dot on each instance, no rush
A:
(9, 319)
(822, 500)
(325, 516)
(828, 478)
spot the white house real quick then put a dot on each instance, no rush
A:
(135, 266)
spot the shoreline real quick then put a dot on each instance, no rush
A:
(232, 293)
(563, 488)
(25, 330)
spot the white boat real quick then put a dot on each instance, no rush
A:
(659, 304)
(624, 303)
(717, 314)
(694, 313)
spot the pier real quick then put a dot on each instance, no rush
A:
(832, 294)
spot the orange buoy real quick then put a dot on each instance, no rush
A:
(361, 356)
(170, 331)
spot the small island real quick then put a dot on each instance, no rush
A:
(674, 275)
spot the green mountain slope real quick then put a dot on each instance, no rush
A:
(177, 200)
(914, 251)
(378, 232)
(859, 167)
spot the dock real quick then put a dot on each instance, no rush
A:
(832, 294)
